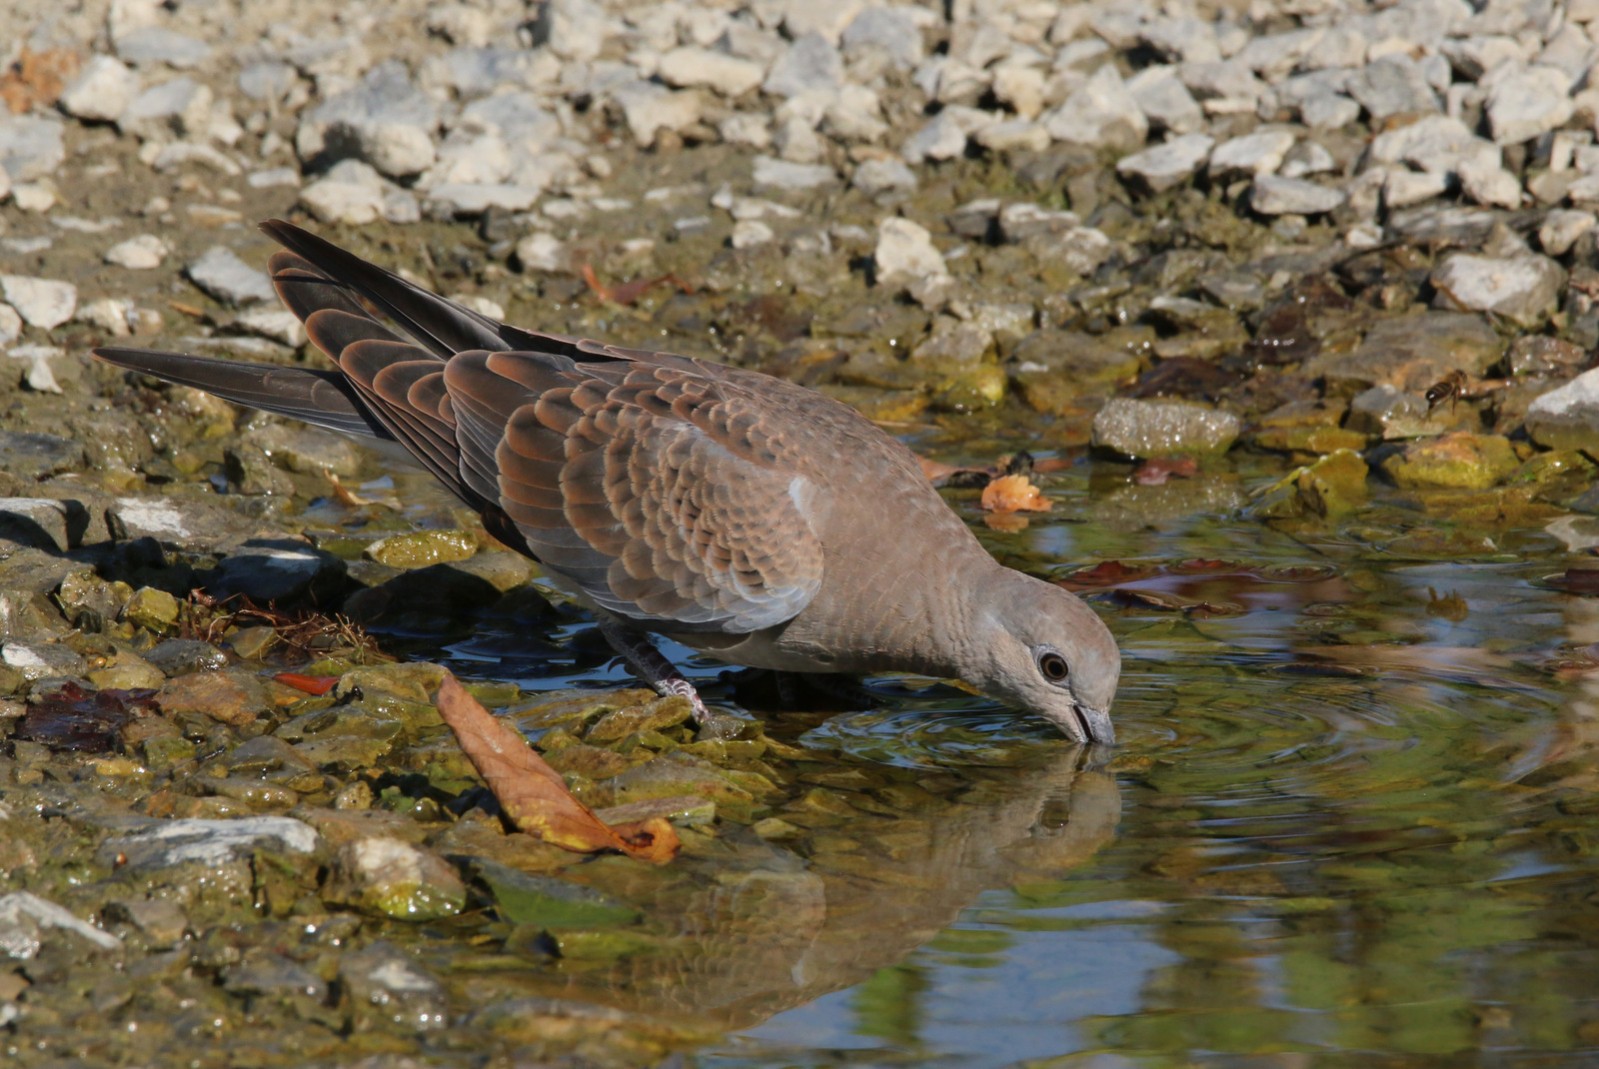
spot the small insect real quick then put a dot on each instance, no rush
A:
(1449, 388)
(1456, 386)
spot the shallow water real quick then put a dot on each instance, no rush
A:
(1354, 813)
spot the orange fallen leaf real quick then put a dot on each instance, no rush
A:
(316, 686)
(1014, 493)
(626, 293)
(38, 78)
(534, 796)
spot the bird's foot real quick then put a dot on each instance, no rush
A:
(652, 666)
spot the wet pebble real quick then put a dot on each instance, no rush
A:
(1458, 460)
(1567, 417)
(1162, 428)
(395, 879)
(41, 302)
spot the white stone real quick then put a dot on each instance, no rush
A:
(648, 109)
(1165, 100)
(24, 910)
(181, 106)
(1261, 152)
(1489, 184)
(278, 324)
(1528, 101)
(38, 376)
(750, 233)
(220, 273)
(101, 92)
(745, 128)
(728, 75)
(1013, 135)
(332, 201)
(1402, 188)
(541, 251)
(214, 842)
(111, 314)
(38, 197)
(811, 62)
(1561, 229)
(140, 253)
(1020, 88)
(825, 17)
(784, 175)
(44, 303)
(905, 253)
(1167, 165)
(457, 199)
(1274, 195)
(1100, 114)
(941, 138)
(10, 325)
(797, 141)
(1523, 288)
(1433, 143)
(573, 29)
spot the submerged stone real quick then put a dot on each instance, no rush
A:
(1567, 417)
(1333, 486)
(418, 549)
(1163, 428)
(549, 903)
(1461, 460)
(395, 879)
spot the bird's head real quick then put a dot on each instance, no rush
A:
(1040, 648)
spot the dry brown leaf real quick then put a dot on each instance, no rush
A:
(1014, 493)
(38, 78)
(534, 796)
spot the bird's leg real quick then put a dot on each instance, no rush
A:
(650, 665)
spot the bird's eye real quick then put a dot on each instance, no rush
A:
(1053, 666)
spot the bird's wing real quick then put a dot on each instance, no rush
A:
(662, 490)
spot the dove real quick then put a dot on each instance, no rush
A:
(747, 517)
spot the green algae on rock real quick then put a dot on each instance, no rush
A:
(1459, 460)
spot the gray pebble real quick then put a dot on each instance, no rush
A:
(877, 177)
(1392, 85)
(385, 120)
(1274, 195)
(226, 278)
(1567, 417)
(1167, 165)
(1165, 100)
(1101, 114)
(905, 253)
(889, 31)
(30, 146)
(181, 106)
(157, 44)
(811, 62)
(781, 174)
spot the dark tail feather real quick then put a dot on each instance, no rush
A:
(441, 325)
(324, 398)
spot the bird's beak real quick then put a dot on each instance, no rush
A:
(1095, 726)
